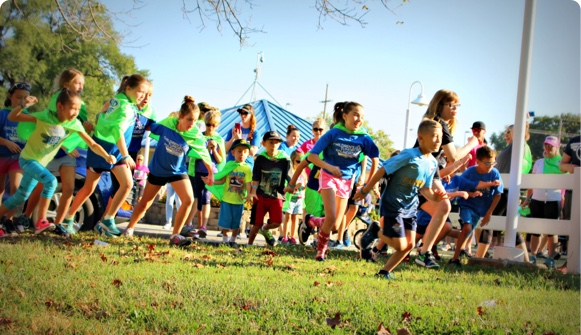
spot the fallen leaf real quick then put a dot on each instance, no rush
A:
(407, 317)
(20, 293)
(334, 322)
(330, 269)
(403, 331)
(207, 257)
(114, 262)
(480, 310)
(269, 252)
(329, 284)
(49, 303)
(103, 258)
(381, 330)
(5, 322)
(188, 257)
(101, 315)
(151, 247)
(117, 283)
(270, 261)
(167, 286)
(200, 266)
(72, 265)
(497, 281)
(316, 283)
(221, 266)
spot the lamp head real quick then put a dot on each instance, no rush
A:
(421, 100)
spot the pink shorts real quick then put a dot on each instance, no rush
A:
(9, 164)
(341, 186)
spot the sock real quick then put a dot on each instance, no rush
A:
(233, 238)
(69, 217)
(225, 238)
(108, 217)
(317, 222)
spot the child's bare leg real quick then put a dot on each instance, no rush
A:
(294, 219)
(439, 212)
(68, 187)
(91, 181)
(123, 175)
(183, 189)
(402, 246)
(466, 230)
(142, 206)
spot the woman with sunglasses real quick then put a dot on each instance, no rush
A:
(10, 143)
(442, 108)
(319, 128)
(246, 129)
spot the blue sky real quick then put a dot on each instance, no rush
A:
(469, 46)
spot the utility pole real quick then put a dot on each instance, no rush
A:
(325, 102)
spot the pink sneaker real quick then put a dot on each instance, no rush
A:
(43, 225)
(292, 240)
(284, 240)
(2, 233)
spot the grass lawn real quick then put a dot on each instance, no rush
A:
(51, 285)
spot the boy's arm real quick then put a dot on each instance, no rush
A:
(565, 165)
(486, 217)
(254, 187)
(453, 167)
(96, 148)
(292, 184)
(370, 184)
(436, 195)
(462, 194)
(486, 184)
(217, 181)
(16, 115)
(248, 192)
(315, 159)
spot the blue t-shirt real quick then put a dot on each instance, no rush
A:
(141, 124)
(169, 158)
(344, 150)
(482, 203)
(8, 131)
(457, 183)
(411, 172)
(254, 142)
(287, 150)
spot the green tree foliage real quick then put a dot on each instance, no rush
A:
(40, 38)
(565, 126)
(381, 138)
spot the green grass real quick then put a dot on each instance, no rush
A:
(54, 286)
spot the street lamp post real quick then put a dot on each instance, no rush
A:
(420, 101)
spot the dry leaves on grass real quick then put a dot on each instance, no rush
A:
(336, 321)
(381, 330)
(117, 283)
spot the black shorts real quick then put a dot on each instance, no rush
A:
(397, 226)
(160, 181)
(544, 210)
(353, 192)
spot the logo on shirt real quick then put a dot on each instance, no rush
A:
(271, 180)
(347, 150)
(113, 103)
(54, 136)
(173, 148)
(236, 184)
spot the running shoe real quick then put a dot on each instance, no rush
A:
(268, 237)
(23, 223)
(109, 226)
(179, 241)
(426, 260)
(43, 225)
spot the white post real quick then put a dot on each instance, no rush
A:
(574, 245)
(407, 116)
(519, 132)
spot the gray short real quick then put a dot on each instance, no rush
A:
(55, 165)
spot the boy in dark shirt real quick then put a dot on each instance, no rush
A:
(269, 175)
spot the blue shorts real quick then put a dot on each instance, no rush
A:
(397, 226)
(423, 219)
(469, 216)
(230, 216)
(98, 163)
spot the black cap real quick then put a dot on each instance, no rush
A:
(478, 125)
(240, 142)
(246, 108)
(271, 135)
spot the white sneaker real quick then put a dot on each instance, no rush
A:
(128, 232)
(167, 226)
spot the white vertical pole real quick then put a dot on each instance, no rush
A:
(574, 245)
(519, 124)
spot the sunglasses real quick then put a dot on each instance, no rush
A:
(318, 129)
(243, 113)
(488, 163)
(211, 125)
(20, 86)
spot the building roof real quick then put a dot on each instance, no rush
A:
(268, 117)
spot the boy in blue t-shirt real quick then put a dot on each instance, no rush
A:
(413, 171)
(473, 209)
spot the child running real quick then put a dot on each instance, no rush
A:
(342, 147)
(233, 189)
(175, 136)
(52, 128)
(293, 204)
(413, 171)
(113, 132)
(269, 175)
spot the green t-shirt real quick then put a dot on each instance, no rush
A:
(235, 185)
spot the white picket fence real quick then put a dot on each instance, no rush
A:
(571, 228)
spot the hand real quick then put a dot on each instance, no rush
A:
(111, 159)
(289, 189)
(236, 134)
(75, 154)
(475, 194)
(496, 183)
(253, 196)
(29, 101)
(335, 171)
(376, 192)
(446, 179)
(359, 195)
(466, 158)
(88, 126)
(485, 219)
(464, 195)
(129, 162)
(249, 198)
(440, 195)
(13, 147)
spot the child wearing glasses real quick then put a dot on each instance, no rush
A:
(293, 204)
(481, 207)
(10, 143)
(342, 147)
(197, 171)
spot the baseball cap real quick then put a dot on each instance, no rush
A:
(478, 125)
(271, 135)
(246, 108)
(240, 142)
(552, 140)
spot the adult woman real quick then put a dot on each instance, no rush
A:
(246, 131)
(442, 108)
(319, 128)
(545, 204)
(293, 134)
